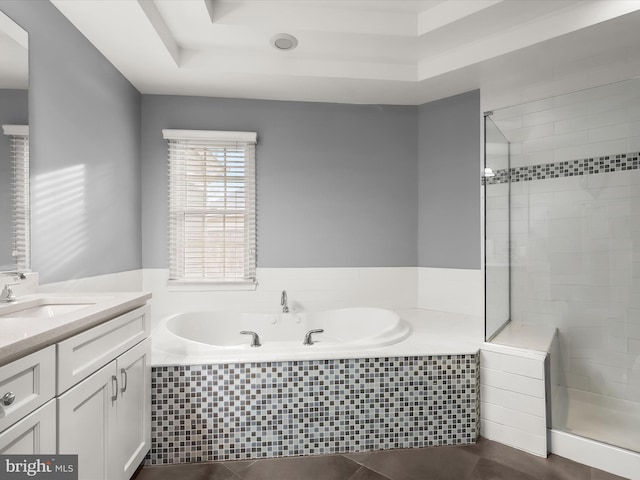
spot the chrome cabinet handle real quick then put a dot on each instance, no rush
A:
(8, 398)
(114, 397)
(123, 372)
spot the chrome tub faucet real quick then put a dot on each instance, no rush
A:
(255, 339)
(283, 302)
(307, 337)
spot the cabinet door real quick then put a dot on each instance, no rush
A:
(34, 434)
(86, 420)
(134, 408)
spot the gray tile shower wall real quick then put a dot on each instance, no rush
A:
(276, 409)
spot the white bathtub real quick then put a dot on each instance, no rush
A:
(217, 335)
(363, 333)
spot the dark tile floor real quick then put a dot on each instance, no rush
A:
(486, 460)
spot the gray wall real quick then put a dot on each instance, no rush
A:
(13, 111)
(85, 150)
(449, 178)
(337, 184)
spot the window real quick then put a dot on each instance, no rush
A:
(20, 195)
(212, 221)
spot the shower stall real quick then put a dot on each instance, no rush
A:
(562, 252)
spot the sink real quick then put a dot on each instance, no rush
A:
(46, 311)
(47, 307)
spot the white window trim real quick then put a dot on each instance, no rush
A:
(16, 130)
(221, 139)
(220, 136)
(204, 286)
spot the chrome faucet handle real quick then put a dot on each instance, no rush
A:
(255, 339)
(307, 337)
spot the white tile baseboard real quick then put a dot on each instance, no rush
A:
(618, 461)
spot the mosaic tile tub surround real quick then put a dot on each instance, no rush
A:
(274, 409)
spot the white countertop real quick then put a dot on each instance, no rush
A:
(432, 333)
(22, 336)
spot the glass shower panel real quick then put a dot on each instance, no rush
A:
(575, 251)
(496, 242)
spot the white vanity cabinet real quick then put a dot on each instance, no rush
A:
(87, 390)
(104, 402)
(27, 408)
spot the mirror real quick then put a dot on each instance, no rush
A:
(14, 84)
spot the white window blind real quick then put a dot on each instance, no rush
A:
(20, 195)
(212, 203)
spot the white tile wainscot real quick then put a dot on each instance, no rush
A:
(441, 289)
(308, 289)
(455, 290)
(513, 400)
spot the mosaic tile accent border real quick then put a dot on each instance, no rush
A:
(273, 409)
(570, 168)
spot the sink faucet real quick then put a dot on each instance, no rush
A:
(283, 302)
(7, 294)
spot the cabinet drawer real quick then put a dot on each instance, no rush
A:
(85, 353)
(31, 381)
(34, 434)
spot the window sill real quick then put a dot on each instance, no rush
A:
(203, 286)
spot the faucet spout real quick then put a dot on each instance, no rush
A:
(7, 294)
(307, 338)
(255, 339)
(283, 302)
